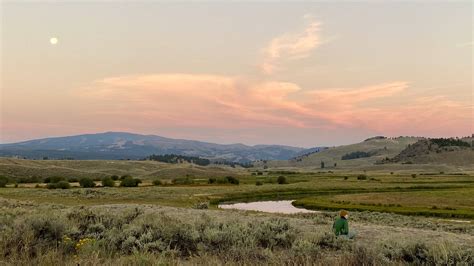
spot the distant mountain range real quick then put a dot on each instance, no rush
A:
(122, 145)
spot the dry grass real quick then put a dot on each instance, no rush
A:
(147, 234)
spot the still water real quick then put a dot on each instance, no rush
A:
(280, 206)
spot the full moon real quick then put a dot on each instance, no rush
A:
(53, 40)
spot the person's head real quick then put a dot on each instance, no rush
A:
(344, 214)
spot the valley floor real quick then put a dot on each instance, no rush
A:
(401, 216)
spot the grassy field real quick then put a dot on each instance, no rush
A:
(444, 194)
(441, 203)
(16, 168)
(165, 223)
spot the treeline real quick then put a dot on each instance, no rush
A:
(442, 142)
(375, 138)
(299, 158)
(356, 155)
(174, 158)
(62, 182)
(233, 164)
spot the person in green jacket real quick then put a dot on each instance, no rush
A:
(341, 226)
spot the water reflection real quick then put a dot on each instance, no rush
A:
(280, 206)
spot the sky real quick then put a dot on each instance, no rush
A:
(300, 74)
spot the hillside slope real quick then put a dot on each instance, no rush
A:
(436, 151)
(375, 149)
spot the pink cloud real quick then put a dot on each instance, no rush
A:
(234, 108)
(226, 102)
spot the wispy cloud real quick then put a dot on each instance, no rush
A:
(291, 46)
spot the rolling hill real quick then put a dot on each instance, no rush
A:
(121, 145)
(436, 151)
(372, 150)
(389, 153)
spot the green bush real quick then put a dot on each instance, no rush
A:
(86, 182)
(259, 183)
(212, 180)
(413, 175)
(61, 184)
(31, 235)
(130, 182)
(281, 180)
(232, 180)
(115, 177)
(108, 182)
(157, 182)
(3, 181)
(362, 177)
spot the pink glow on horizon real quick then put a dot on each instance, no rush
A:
(151, 103)
(192, 100)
